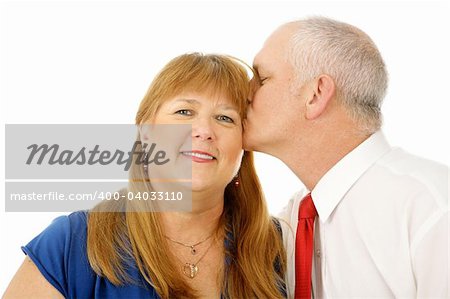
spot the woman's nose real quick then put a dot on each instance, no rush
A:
(202, 129)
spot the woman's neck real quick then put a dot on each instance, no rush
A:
(201, 222)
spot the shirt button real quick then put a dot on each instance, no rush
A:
(318, 253)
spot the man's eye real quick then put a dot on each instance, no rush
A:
(225, 118)
(184, 112)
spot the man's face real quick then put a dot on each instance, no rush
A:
(273, 106)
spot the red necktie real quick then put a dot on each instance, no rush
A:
(304, 243)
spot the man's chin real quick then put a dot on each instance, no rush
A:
(251, 137)
(248, 142)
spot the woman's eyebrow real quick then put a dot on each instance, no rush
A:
(227, 107)
(189, 101)
(197, 103)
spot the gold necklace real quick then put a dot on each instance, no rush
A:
(191, 269)
(192, 247)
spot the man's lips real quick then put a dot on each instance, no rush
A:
(199, 156)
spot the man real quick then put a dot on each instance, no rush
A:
(375, 223)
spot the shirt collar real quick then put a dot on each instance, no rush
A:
(332, 187)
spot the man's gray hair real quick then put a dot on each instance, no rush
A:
(344, 52)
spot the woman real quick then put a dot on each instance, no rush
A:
(227, 246)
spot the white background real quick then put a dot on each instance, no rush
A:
(84, 62)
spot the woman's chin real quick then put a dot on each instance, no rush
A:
(199, 185)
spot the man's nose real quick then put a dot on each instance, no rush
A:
(252, 90)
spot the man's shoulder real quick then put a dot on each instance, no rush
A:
(415, 171)
(403, 161)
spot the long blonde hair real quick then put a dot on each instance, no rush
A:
(254, 243)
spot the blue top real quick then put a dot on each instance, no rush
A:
(60, 254)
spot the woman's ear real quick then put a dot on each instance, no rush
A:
(323, 91)
(144, 133)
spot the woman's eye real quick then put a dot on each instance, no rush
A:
(262, 80)
(184, 112)
(225, 118)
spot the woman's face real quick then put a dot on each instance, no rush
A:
(214, 149)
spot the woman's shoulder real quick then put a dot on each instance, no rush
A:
(61, 229)
(78, 217)
(77, 223)
(59, 251)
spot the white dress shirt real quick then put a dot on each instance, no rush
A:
(382, 230)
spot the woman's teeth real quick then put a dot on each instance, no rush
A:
(198, 155)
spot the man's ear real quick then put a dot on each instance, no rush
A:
(323, 91)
